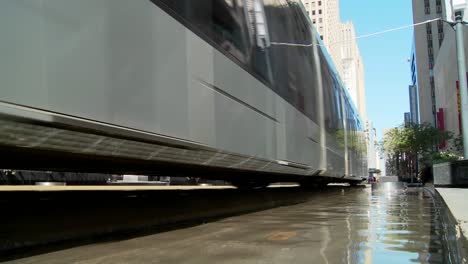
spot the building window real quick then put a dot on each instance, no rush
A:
(319, 3)
(427, 7)
(431, 64)
(313, 21)
(439, 6)
(440, 30)
(320, 11)
(313, 12)
(321, 37)
(428, 29)
(441, 36)
(320, 20)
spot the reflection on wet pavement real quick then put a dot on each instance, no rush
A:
(341, 225)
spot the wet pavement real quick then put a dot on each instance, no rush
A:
(339, 225)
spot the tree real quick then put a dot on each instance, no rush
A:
(410, 145)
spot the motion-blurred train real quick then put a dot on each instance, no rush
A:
(240, 90)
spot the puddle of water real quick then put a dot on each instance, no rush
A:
(404, 226)
(381, 225)
(348, 225)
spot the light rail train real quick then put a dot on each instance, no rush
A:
(174, 87)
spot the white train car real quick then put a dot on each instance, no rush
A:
(204, 87)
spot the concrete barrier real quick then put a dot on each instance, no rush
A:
(451, 174)
(455, 199)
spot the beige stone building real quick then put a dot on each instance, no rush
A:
(325, 15)
(340, 41)
(353, 67)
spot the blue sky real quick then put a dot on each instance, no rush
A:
(387, 71)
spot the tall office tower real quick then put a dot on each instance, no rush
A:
(428, 39)
(373, 155)
(413, 89)
(325, 15)
(353, 67)
(407, 119)
(447, 91)
(340, 41)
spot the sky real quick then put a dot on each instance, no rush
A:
(387, 70)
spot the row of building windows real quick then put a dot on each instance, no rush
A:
(428, 28)
(313, 4)
(439, 6)
(313, 12)
(440, 30)
(430, 49)
(320, 20)
(427, 7)
(432, 84)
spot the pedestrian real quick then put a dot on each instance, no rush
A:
(370, 179)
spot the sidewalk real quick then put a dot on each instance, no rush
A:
(456, 200)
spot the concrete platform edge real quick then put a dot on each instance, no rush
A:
(455, 199)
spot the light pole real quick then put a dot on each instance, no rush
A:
(458, 26)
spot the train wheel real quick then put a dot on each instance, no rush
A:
(246, 185)
(308, 184)
(354, 183)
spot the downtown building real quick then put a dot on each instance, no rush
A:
(446, 79)
(413, 89)
(340, 41)
(428, 39)
(325, 16)
(353, 67)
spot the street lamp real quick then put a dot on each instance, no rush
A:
(459, 10)
(462, 78)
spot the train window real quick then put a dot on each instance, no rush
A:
(332, 111)
(236, 27)
(227, 27)
(240, 28)
(222, 21)
(293, 71)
